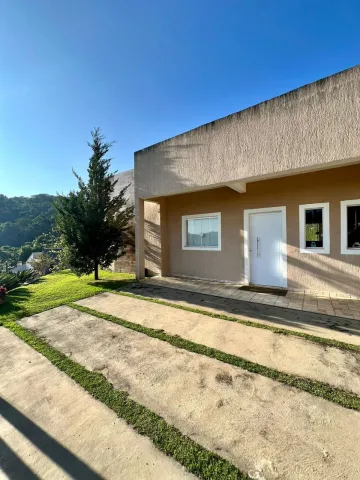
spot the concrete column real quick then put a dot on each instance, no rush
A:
(139, 238)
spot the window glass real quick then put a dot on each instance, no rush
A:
(205, 232)
(214, 232)
(314, 228)
(202, 232)
(193, 233)
(190, 233)
(353, 226)
(197, 233)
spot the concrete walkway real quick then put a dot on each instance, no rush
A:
(346, 306)
(265, 428)
(287, 354)
(343, 329)
(51, 429)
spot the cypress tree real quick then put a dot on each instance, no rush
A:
(92, 221)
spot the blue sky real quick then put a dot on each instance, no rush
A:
(145, 70)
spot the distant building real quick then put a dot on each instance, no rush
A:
(32, 257)
(123, 179)
(21, 267)
(126, 263)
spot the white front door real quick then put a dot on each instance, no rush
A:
(266, 266)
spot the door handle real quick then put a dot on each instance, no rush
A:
(258, 247)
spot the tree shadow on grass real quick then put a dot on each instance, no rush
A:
(14, 302)
(108, 284)
(67, 272)
(17, 301)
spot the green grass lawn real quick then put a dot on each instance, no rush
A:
(57, 289)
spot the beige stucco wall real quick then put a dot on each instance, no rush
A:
(124, 179)
(334, 272)
(152, 230)
(125, 263)
(316, 125)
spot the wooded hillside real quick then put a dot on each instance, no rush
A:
(22, 219)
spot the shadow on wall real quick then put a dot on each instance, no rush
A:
(125, 263)
(321, 272)
(152, 246)
(333, 273)
(169, 159)
(130, 237)
(315, 272)
(327, 272)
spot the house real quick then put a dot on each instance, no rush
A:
(268, 196)
(20, 267)
(27, 265)
(32, 257)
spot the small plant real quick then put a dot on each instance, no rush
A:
(3, 292)
(26, 276)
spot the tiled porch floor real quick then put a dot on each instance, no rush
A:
(339, 307)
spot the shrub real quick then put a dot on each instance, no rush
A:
(42, 263)
(27, 276)
(13, 280)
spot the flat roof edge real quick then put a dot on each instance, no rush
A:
(253, 107)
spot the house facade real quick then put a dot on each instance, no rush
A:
(268, 196)
(21, 267)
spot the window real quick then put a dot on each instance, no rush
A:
(314, 228)
(350, 227)
(201, 232)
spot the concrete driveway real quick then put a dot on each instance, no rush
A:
(318, 324)
(292, 355)
(51, 429)
(267, 429)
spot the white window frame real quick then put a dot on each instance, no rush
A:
(343, 226)
(325, 249)
(200, 216)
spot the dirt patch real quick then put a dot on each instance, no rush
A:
(220, 403)
(267, 429)
(224, 377)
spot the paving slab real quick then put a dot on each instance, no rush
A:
(50, 428)
(265, 428)
(318, 324)
(311, 301)
(288, 354)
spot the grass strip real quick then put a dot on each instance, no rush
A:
(56, 289)
(282, 331)
(197, 459)
(319, 389)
